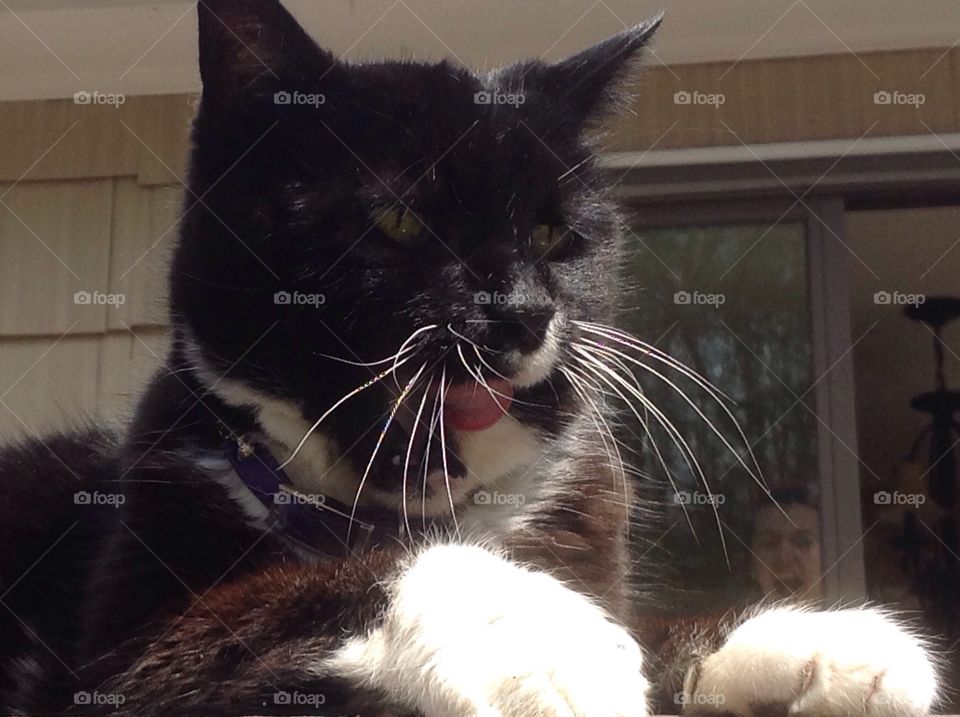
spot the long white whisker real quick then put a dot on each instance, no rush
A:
(406, 461)
(376, 448)
(588, 380)
(412, 337)
(595, 414)
(469, 341)
(443, 452)
(604, 350)
(653, 443)
(388, 359)
(716, 394)
(434, 417)
(615, 334)
(363, 387)
(478, 377)
(612, 378)
(491, 369)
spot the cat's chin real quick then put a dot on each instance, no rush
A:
(498, 458)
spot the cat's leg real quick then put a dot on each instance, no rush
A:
(452, 630)
(800, 662)
(470, 633)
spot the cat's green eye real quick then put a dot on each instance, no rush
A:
(401, 225)
(550, 242)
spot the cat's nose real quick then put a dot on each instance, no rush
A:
(522, 328)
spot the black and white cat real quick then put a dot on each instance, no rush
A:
(378, 472)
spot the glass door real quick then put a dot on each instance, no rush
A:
(735, 429)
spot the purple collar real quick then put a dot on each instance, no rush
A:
(312, 522)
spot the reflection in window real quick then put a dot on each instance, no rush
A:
(730, 302)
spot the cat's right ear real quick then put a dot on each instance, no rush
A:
(249, 48)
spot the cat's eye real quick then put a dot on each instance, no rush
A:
(549, 241)
(401, 225)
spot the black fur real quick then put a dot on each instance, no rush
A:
(171, 598)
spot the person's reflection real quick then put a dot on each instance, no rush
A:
(785, 548)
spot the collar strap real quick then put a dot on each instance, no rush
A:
(314, 522)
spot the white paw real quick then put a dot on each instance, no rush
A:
(469, 633)
(791, 661)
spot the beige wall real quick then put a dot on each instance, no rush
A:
(96, 215)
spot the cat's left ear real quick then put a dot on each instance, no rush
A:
(250, 47)
(590, 81)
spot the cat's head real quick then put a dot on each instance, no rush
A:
(341, 212)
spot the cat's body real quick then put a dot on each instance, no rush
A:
(396, 287)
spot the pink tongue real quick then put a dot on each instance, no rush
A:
(471, 407)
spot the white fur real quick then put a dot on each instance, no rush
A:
(222, 472)
(469, 633)
(536, 367)
(505, 449)
(837, 662)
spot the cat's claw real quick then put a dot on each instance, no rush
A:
(470, 633)
(795, 662)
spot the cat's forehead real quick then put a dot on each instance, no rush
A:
(428, 129)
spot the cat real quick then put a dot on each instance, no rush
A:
(378, 471)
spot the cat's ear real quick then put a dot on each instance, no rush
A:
(588, 82)
(248, 47)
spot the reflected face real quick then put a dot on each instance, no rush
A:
(786, 552)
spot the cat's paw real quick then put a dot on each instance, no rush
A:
(795, 662)
(469, 633)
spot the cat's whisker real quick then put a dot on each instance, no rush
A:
(602, 391)
(469, 341)
(397, 363)
(410, 339)
(443, 452)
(364, 364)
(620, 336)
(612, 379)
(406, 461)
(600, 350)
(604, 433)
(613, 354)
(721, 399)
(644, 422)
(616, 394)
(627, 373)
(359, 389)
(434, 417)
(476, 350)
(478, 377)
(376, 449)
